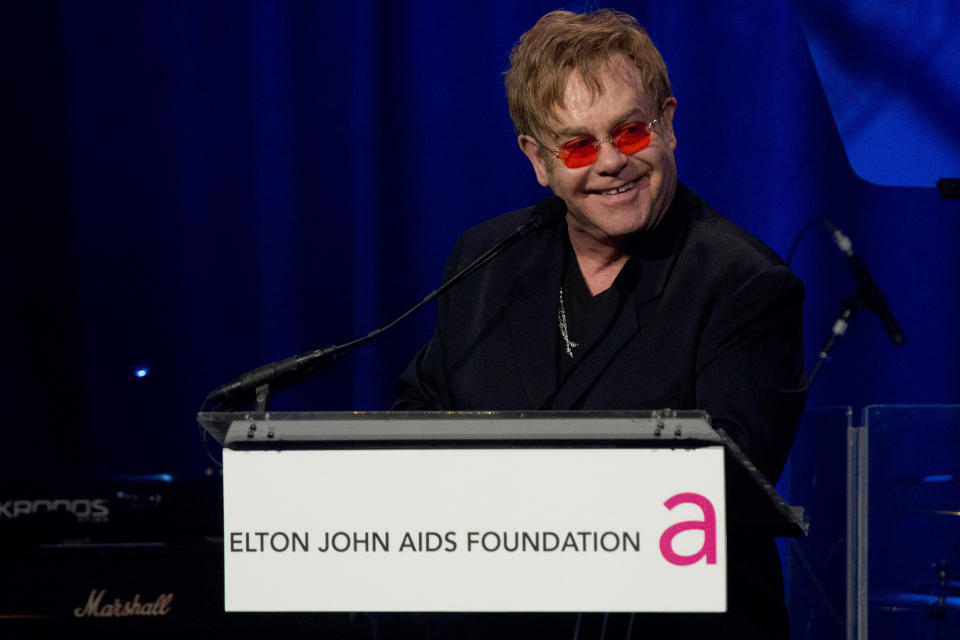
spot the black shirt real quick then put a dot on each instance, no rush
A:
(588, 317)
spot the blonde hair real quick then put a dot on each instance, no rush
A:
(562, 42)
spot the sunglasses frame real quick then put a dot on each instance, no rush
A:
(598, 141)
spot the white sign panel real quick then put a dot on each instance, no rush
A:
(475, 530)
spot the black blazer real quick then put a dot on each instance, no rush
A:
(713, 323)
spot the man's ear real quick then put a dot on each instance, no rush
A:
(532, 150)
(669, 108)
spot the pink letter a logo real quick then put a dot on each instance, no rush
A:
(708, 525)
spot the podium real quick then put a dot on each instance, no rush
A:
(484, 511)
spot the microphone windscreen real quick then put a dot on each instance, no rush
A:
(549, 211)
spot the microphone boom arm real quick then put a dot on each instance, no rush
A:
(287, 372)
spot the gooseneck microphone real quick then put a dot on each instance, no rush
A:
(870, 295)
(284, 373)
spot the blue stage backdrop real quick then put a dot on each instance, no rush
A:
(197, 188)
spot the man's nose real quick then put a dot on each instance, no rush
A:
(609, 159)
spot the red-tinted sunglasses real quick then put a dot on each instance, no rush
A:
(627, 138)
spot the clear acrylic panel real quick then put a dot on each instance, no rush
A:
(912, 521)
(815, 567)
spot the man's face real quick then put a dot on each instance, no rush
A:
(599, 209)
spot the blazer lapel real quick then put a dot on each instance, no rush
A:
(656, 252)
(532, 318)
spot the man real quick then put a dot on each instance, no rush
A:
(642, 298)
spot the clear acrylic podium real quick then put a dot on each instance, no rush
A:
(817, 475)
(882, 489)
(907, 522)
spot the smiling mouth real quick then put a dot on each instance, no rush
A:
(613, 192)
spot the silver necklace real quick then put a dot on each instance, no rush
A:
(568, 344)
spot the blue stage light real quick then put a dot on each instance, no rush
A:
(144, 478)
(141, 370)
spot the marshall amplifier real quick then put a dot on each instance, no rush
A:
(133, 558)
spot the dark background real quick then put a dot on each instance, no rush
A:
(199, 188)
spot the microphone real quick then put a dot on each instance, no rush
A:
(287, 372)
(870, 294)
(548, 212)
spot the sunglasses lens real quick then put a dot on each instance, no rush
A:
(578, 153)
(631, 137)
